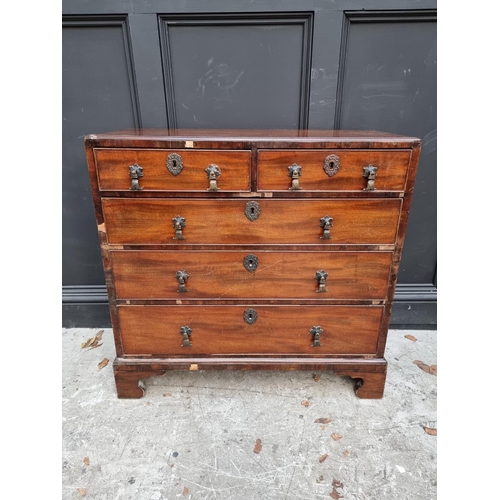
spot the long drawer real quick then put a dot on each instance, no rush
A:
(230, 221)
(332, 170)
(259, 274)
(172, 170)
(225, 330)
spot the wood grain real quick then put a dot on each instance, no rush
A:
(222, 275)
(113, 173)
(272, 169)
(221, 330)
(223, 221)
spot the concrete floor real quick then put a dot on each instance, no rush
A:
(194, 435)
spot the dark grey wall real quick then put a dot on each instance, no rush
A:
(265, 64)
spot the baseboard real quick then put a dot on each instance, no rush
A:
(415, 307)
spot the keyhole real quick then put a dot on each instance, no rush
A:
(252, 210)
(251, 263)
(174, 163)
(250, 316)
(331, 164)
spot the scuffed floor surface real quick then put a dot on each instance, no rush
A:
(249, 435)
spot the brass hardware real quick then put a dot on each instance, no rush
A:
(331, 165)
(250, 262)
(294, 171)
(174, 163)
(250, 316)
(370, 172)
(321, 279)
(182, 277)
(326, 223)
(213, 173)
(316, 331)
(252, 210)
(186, 334)
(135, 171)
(178, 223)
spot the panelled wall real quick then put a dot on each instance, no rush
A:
(297, 64)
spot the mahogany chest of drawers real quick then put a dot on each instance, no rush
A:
(251, 249)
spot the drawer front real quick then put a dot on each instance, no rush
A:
(315, 166)
(113, 169)
(219, 221)
(222, 330)
(256, 274)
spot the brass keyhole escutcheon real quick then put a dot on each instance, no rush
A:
(250, 262)
(331, 165)
(250, 316)
(252, 210)
(174, 163)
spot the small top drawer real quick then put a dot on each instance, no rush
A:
(172, 170)
(332, 170)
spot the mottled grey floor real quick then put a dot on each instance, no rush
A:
(194, 434)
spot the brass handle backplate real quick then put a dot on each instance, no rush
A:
(294, 171)
(186, 335)
(178, 223)
(213, 173)
(321, 279)
(370, 172)
(326, 223)
(135, 171)
(316, 332)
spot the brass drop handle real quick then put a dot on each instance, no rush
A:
(294, 171)
(213, 173)
(182, 277)
(135, 171)
(320, 277)
(326, 223)
(316, 332)
(370, 172)
(186, 335)
(178, 223)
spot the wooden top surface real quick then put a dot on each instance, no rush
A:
(264, 138)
